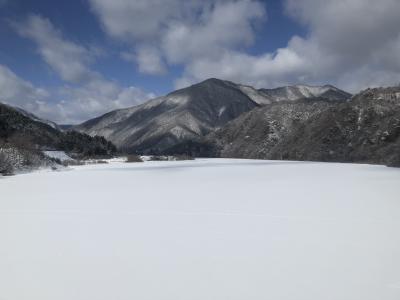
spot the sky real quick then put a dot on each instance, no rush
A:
(69, 61)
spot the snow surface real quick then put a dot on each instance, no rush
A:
(61, 155)
(204, 229)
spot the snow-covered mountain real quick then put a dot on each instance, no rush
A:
(297, 92)
(364, 129)
(188, 114)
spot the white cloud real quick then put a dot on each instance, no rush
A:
(227, 25)
(90, 95)
(67, 104)
(20, 93)
(240, 67)
(349, 42)
(354, 32)
(68, 59)
(177, 31)
(16, 91)
(96, 98)
(143, 20)
(149, 60)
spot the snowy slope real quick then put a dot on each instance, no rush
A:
(206, 229)
(163, 122)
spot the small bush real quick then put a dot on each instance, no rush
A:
(158, 158)
(72, 162)
(101, 162)
(6, 166)
(132, 158)
(171, 157)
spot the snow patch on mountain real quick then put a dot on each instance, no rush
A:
(221, 110)
(255, 95)
(60, 155)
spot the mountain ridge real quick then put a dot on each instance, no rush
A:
(219, 118)
(186, 114)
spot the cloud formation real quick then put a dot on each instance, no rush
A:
(354, 42)
(68, 59)
(351, 43)
(177, 32)
(68, 104)
(90, 93)
(16, 91)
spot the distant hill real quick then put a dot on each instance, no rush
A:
(24, 130)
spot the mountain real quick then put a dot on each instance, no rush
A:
(185, 115)
(364, 129)
(24, 130)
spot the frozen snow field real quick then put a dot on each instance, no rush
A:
(206, 229)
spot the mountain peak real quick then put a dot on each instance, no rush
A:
(213, 81)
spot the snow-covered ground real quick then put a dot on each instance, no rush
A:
(204, 229)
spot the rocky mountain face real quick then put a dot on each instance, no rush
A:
(185, 116)
(363, 129)
(256, 133)
(22, 130)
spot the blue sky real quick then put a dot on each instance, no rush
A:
(73, 60)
